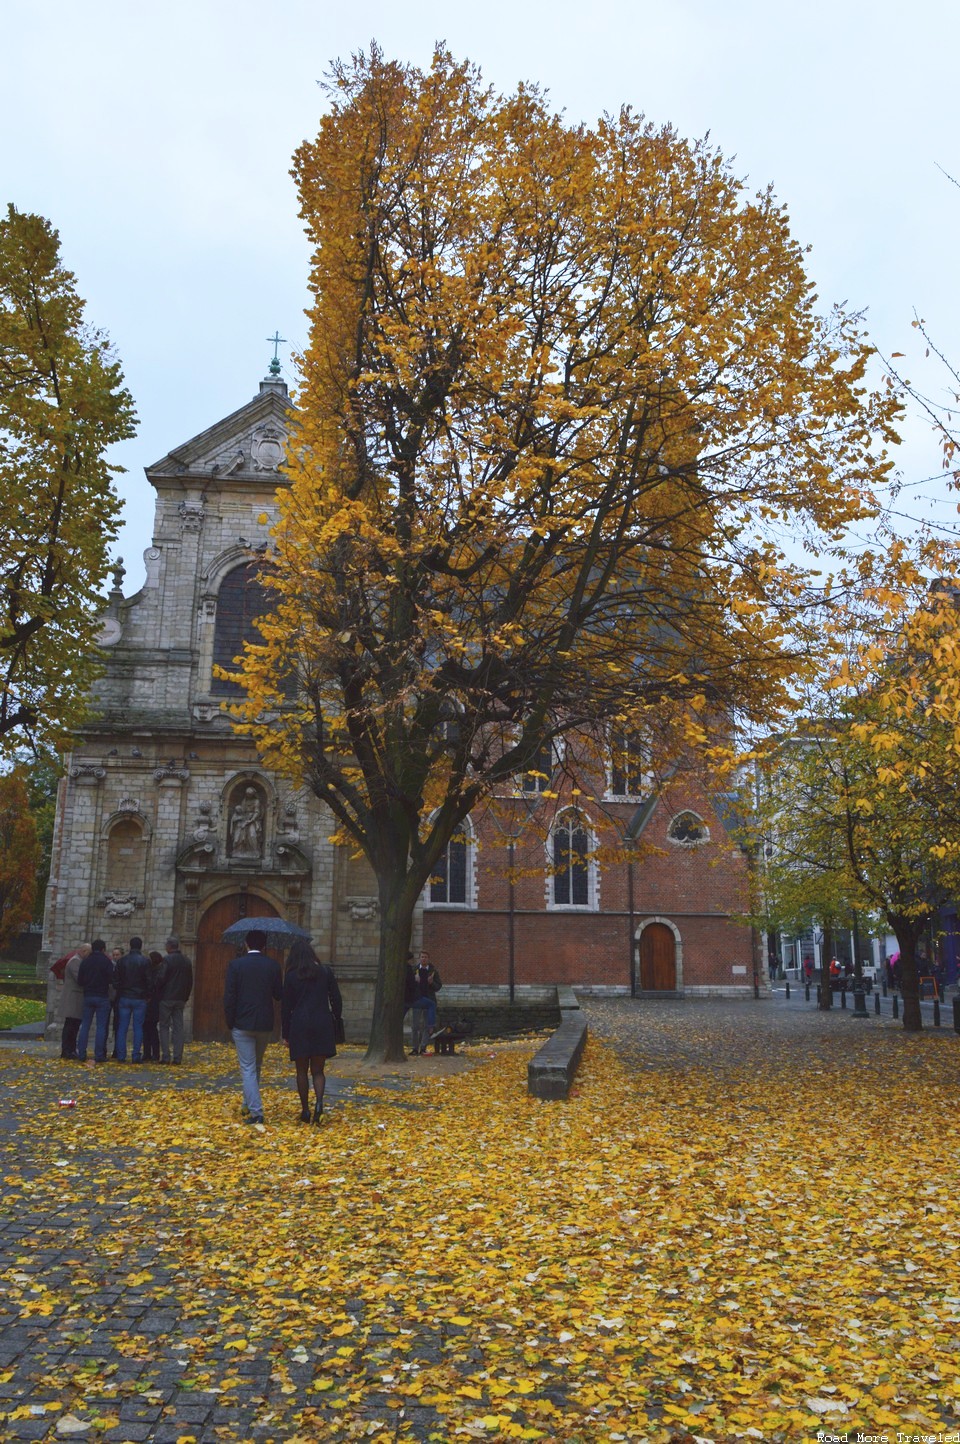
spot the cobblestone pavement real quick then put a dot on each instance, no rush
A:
(93, 1293)
(733, 1034)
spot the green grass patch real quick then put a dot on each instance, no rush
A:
(14, 1011)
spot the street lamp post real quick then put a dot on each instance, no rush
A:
(511, 944)
(517, 823)
(859, 996)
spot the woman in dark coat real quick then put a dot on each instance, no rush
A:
(311, 1001)
(151, 1021)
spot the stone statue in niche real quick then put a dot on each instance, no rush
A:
(246, 826)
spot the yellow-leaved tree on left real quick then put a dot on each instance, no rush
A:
(62, 404)
(19, 856)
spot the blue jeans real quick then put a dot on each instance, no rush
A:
(134, 1009)
(98, 1008)
(250, 1050)
(423, 1021)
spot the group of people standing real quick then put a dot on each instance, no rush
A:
(146, 992)
(135, 991)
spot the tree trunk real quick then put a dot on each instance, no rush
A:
(826, 953)
(907, 931)
(396, 927)
(401, 879)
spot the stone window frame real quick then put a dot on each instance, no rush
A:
(469, 836)
(592, 904)
(688, 842)
(210, 688)
(646, 772)
(219, 686)
(224, 563)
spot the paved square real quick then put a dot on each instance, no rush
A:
(742, 1224)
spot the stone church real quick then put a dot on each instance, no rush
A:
(166, 822)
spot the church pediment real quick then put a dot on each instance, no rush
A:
(247, 446)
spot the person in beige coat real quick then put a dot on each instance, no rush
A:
(71, 1003)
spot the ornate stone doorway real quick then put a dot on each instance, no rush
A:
(658, 959)
(213, 957)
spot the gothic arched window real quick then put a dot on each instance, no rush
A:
(450, 880)
(688, 830)
(570, 847)
(240, 601)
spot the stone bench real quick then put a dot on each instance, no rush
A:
(551, 1071)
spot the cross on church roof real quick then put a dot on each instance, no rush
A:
(276, 340)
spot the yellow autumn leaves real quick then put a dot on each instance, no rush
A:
(671, 1255)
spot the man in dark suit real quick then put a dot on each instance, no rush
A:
(95, 977)
(253, 988)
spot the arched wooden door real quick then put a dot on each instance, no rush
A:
(213, 955)
(658, 959)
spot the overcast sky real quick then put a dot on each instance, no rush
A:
(157, 137)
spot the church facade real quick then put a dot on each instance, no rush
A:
(168, 824)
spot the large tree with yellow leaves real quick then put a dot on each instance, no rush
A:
(565, 388)
(62, 404)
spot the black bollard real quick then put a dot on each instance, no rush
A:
(788, 987)
(806, 994)
(843, 997)
(876, 1004)
(859, 1002)
(956, 1014)
(818, 994)
(896, 1006)
(936, 1012)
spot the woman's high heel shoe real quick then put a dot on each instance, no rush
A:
(318, 1110)
(304, 1115)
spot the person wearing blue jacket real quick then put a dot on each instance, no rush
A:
(95, 977)
(253, 988)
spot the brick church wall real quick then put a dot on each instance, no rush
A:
(698, 889)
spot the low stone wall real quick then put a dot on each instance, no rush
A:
(551, 1071)
(491, 1012)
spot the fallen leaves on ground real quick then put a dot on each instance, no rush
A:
(671, 1255)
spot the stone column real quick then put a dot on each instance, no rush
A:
(168, 832)
(73, 912)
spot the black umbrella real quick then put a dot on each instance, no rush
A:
(278, 931)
